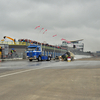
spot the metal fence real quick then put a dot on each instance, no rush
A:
(14, 56)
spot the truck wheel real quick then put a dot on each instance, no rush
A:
(30, 59)
(39, 58)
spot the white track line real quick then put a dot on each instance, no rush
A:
(20, 72)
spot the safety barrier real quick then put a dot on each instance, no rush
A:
(14, 55)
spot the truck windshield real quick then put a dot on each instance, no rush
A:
(31, 49)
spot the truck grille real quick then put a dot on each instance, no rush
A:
(30, 54)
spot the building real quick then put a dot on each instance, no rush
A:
(77, 44)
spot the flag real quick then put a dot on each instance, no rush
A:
(68, 42)
(44, 31)
(54, 35)
(37, 27)
(63, 39)
(41, 29)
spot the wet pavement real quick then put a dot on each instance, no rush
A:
(25, 64)
(50, 80)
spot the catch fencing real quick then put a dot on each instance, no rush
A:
(14, 56)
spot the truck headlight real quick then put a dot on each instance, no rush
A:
(34, 56)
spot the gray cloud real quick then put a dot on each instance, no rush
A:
(72, 19)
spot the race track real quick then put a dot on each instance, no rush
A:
(50, 80)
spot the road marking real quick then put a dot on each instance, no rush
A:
(20, 72)
(23, 71)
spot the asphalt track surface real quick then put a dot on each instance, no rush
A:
(50, 80)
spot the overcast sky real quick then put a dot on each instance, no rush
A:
(69, 19)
